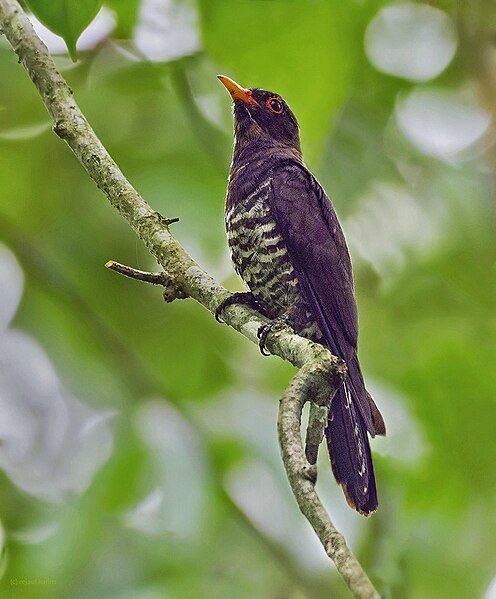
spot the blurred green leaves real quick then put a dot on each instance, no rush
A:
(67, 18)
(266, 44)
(427, 325)
(126, 12)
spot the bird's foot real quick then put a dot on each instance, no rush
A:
(276, 323)
(244, 297)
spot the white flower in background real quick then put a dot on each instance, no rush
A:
(166, 30)
(98, 30)
(389, 224)
(413, 41)
(441, 123)
(51, 444)
(176, 505)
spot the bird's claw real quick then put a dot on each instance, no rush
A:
(220, 309)
(267, 328)
(243, 297)
(262, 333)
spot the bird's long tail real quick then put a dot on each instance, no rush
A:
(349, 450)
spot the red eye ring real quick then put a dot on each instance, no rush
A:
(274, 105)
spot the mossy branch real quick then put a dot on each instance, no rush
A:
(183, 275)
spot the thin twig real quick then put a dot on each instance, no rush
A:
(153, 229)
(155, 278)
(171, 291)
(317, 421)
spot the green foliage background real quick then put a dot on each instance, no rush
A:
(427, 328)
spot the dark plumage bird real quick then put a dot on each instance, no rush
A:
(289, 248)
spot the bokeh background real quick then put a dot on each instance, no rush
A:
(138, 448)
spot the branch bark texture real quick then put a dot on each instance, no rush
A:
(315, 362)
(302, 474)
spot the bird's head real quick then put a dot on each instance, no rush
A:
(259, 113)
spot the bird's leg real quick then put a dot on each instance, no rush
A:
(280, 322)
(244, 297)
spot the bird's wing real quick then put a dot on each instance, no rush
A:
(317, 248)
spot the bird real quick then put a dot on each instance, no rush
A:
(288, 246)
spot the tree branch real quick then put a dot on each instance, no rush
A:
(317, 365)
(171, 292)
(302, 475)
(155, 278)
(317, 421)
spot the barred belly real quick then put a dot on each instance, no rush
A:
(261, 258)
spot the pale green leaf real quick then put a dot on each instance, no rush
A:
(67, 18)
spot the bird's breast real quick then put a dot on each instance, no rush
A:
(261, 257)
(258, 249)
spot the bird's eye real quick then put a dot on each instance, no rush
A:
(274, 105)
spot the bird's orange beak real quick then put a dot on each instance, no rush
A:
(237, 92)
